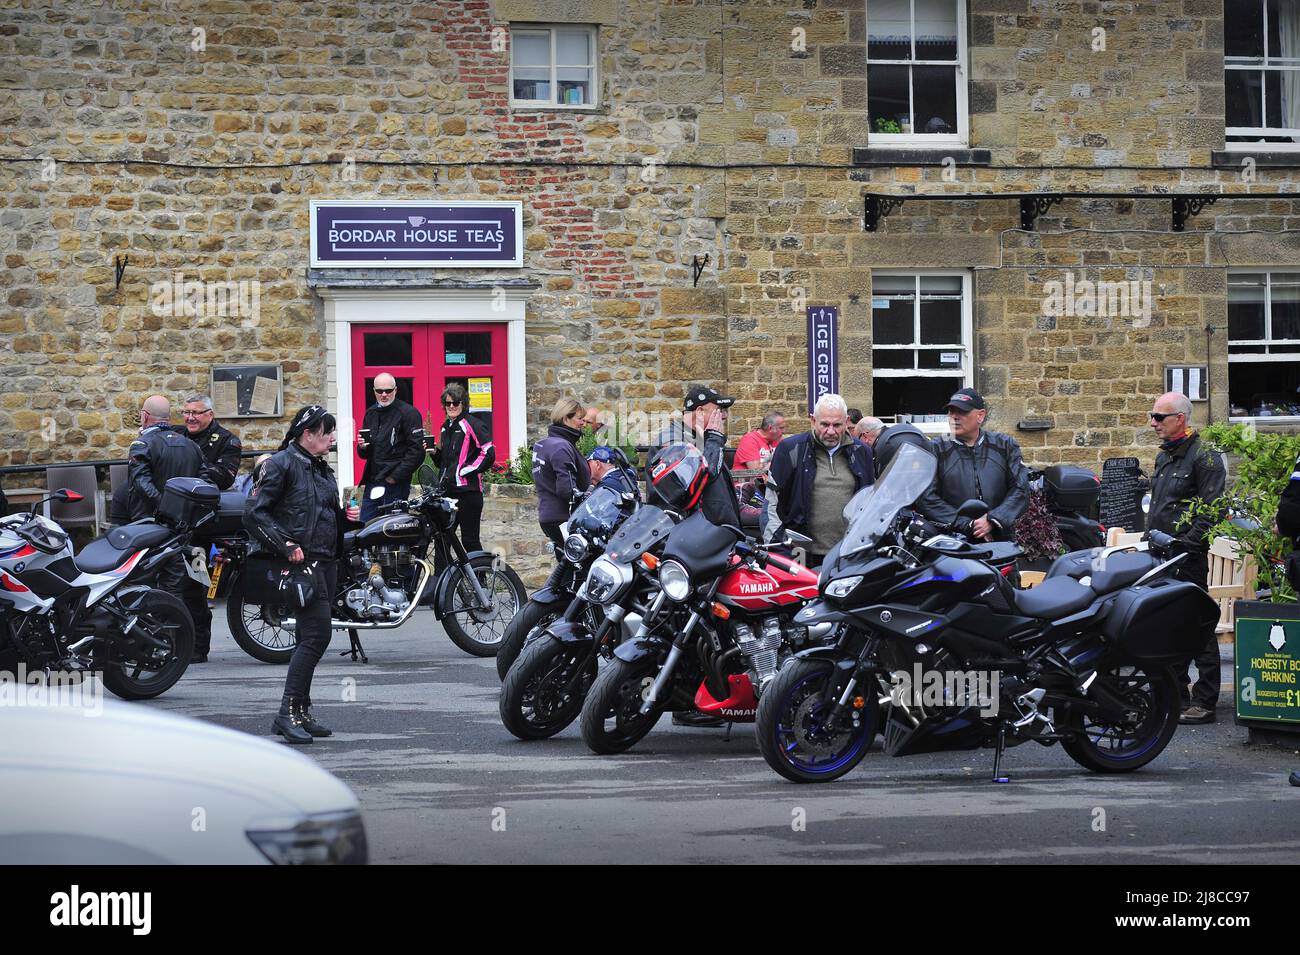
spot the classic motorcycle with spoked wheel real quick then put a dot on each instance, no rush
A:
(960, 659)
(389, 568)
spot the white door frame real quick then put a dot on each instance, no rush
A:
(345, 307)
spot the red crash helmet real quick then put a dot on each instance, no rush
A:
(678, 476)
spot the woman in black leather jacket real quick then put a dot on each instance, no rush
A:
(293, 512)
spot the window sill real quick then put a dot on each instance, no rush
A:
(928, 155)
(1289, 421)
(555, 108)
(1268, 158)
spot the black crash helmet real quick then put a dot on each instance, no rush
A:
(677, 476)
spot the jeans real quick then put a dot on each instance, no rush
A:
(552, 530)
(1195, 569)
(392, 492)
(313, 633)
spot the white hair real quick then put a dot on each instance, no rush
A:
(1183, 406)
(831, 402)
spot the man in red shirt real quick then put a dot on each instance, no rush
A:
(754, 453)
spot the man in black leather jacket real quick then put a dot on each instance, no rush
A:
(391, 442)
(977, 464)
(156, 456)
(220, 447)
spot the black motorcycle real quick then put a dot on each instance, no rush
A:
(620, 599)
(386, 572)
(963, 660)
(1072, 495)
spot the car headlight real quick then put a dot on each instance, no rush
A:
(605, 580)
(575, 548)
(337, 838)
(675, 581)
(843, 586)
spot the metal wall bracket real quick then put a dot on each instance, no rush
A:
(697, 265)
(119, 268)
(877, 207)
(1187, 206)
(1032, 208)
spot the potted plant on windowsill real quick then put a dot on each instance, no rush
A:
(887, 125)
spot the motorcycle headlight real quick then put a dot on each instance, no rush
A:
(575, 548)
(843, 586)
(337, 838)
(605, 580)
(675, 581)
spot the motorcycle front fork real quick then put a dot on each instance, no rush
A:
(451, 549)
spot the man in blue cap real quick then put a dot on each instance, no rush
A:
(610, 468)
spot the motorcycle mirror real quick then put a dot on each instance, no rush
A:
(65, 496)
(973, 508)
(376, 492)
(426, 477)
(794, 537)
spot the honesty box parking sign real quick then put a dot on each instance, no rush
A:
(416, 234)
(1268, 666)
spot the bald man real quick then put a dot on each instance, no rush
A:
(391, 442)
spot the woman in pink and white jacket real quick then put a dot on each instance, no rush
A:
(463, 453)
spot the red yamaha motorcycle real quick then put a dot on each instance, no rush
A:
(730, 607)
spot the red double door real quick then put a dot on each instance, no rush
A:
(425, 359)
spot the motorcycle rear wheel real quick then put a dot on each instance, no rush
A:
(791, 736)
(163, 617)
(258, 629)
(477, 632)
(534, 617)
(1111, 748)
(611, 716)
(534, 703)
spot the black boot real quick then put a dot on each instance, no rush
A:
(289, 722)
(310, 724)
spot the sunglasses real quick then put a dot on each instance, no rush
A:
(1155, 416)
(384, 391)
(451, 404)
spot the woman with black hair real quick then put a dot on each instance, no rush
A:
(463, 453)
(293, 512)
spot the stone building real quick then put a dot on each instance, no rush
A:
(149, 146)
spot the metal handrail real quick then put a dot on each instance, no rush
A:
(108, 462)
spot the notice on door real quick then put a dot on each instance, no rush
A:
(480, 394)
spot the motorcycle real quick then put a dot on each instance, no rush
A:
(962, 660)
(94, 611)
(1072, 495)
(620, 599)
(386, 572)
(738, 598)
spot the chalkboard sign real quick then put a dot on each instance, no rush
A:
(1122, 487)
(247, 391)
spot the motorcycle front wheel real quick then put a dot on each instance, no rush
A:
(534, 618)
(1150, 695)
(544, 690)
(479, 632)
(136, 670)
(612, 721)
(791, 729)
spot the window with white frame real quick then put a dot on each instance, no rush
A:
(920, 344)
(1261, 66)
(916, 72)
(553, 66)
(1264, 344)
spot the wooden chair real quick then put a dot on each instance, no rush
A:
(1116, 536)
(1232, 577)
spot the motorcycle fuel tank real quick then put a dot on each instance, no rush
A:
(390, 529)
(781, 583)
(953, 578)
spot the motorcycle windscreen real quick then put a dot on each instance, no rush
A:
(643, 530)
(598, 513)
(873, 509)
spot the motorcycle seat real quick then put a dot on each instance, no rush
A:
(107, 553)
(1122, 570)
(1054, 598)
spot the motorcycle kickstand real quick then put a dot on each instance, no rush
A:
(355, 649)
(727, 738)
(997, 755)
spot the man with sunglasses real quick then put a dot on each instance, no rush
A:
(391, 442)
(1187, 470)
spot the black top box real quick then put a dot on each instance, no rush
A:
(1071, 488)
(185, 500)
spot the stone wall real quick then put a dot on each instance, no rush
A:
(716, 135)
(510, 529)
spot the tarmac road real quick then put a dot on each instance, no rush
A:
(440, 780)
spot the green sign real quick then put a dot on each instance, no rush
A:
(1268, 669)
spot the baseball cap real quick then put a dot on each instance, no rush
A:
(603, 453)
(968, 399)
(697, 395)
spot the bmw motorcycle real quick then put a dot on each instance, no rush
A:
(619, 599)
(95, 611)
(386, 572)
(732, 603)
(960, 659)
